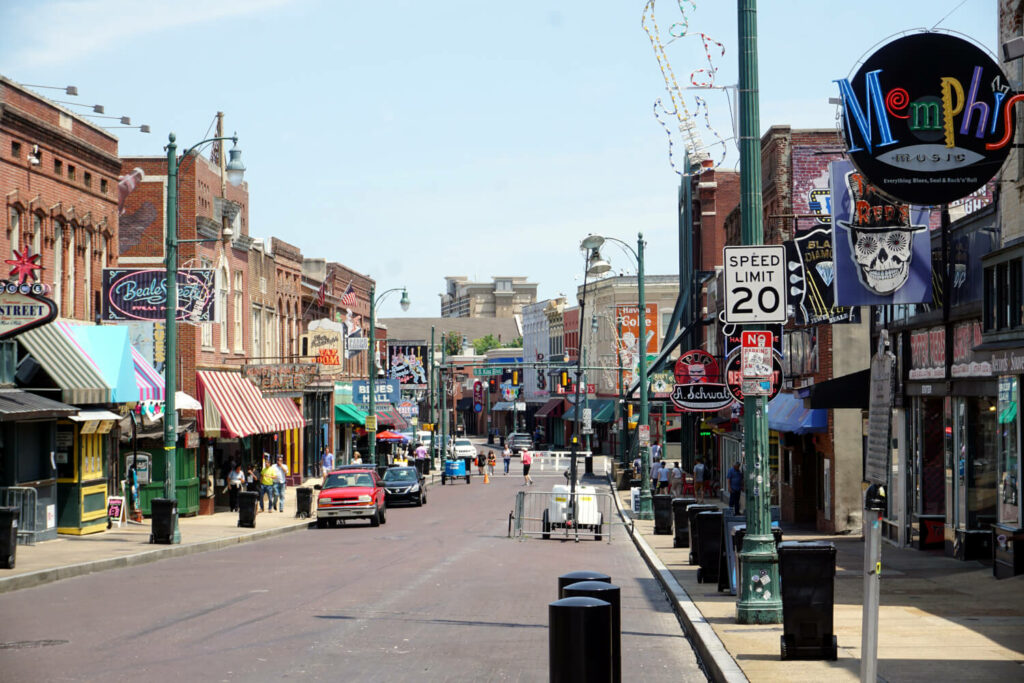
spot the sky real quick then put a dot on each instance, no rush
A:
(412, 140)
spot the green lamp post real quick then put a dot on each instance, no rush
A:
(371, 365)
(646, 507)
(235, 172)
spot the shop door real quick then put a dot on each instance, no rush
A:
(805, 484)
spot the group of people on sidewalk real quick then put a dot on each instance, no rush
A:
(671, 479)
(269, 483)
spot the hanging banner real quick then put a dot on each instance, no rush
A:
(406, 363)
(811, 266)
(386, 391)
(627, 320)
(698, 388)
(882, 248)
(141, 294)
(928, 118)
(325, 346)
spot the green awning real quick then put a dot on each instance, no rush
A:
(602, 410)
(346, 412)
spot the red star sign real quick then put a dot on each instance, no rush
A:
(24, 265)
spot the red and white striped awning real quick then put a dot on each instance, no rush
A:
(234, 407)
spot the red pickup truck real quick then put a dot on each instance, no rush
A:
(350, 494)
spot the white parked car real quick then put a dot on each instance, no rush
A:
(464, 447)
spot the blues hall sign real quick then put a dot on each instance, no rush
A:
(928, 118)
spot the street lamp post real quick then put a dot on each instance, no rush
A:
(757, 604)
(646, 509)
(371, 437)
(235, 170)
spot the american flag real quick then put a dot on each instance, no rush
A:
(349, 297)
(321, 293)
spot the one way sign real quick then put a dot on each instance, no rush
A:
(755, 284)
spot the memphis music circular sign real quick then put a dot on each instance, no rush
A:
(928, 118)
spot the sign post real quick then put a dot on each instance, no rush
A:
(755, 293)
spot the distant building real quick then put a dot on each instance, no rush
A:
(504, 297)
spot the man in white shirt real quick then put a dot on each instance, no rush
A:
(280, 479)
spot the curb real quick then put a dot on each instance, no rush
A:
(44, 576)
(718, 663)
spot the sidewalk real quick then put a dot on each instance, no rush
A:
(940, 619)
(69, 556)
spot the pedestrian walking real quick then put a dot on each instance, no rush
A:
(357, 459)
(636, 466)
(676, 481)
(480, 463)
(280, 481)
(698, 480)
(327, 462)
(267, 483)
(236, 479)
(663, 473)
(506, 455)
(527, 461)
(656, 450)
(491, 462)
(735, 479)
(252, 482)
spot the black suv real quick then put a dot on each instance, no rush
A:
(519, 441)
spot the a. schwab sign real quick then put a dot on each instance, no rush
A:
(387, 390)
(141, 294)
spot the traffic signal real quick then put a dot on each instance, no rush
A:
(493, 384)
(515, 378)
(563, 379)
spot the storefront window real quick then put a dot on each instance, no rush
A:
(975, 463)
(1008, 426)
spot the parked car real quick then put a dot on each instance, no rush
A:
(464, 447)
(351, 493)
(519, 442)
(405, 485)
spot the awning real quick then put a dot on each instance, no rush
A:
(847, 391)
(502, 405)
(93, 363)
(387, 414)
(786, 413)
(71, 369)
(348, 413)
(553, 408)
(94, 415)
(183, 401)
(147, 379)
(22, 405)
(234, 406)
(601, 410)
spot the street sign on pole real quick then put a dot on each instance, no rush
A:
(876, 460)
(486, 372)
(755, 284)
(644, 434)
(586, 421)
(371, 423)
(756, 361)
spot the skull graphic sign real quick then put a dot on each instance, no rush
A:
(882, 247)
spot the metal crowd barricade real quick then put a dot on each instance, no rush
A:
(547, 514)
(560, 461)
(24, 498)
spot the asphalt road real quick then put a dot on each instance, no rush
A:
(438, 593)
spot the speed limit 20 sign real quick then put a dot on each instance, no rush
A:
(755, 284)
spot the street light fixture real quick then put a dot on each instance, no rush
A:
(646, 508)
(171, 334)
(371, 366)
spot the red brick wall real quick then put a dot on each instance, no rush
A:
(59, 201)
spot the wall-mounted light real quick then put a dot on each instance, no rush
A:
(68, 89)
(1013, 49)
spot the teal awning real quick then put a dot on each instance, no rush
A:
(348, 413)
(601, 410)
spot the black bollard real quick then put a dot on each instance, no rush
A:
(579, 641)
(610, 593)
(575, 577)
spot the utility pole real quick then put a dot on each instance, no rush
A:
(624, 426)
(759, 562)
(431, 386)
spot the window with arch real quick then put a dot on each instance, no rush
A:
(238, 339)
(58, 264)
(70, 274)
(87, 276)
(37, 233)
(15, 228)
(222, 305)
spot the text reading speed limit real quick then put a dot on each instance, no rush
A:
(755, 284)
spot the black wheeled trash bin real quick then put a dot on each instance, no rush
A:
(691, 521)
(807, 572)
(662, 514)
(163, 520)
(682, 524)
(709, 545)
(8, 536)
(304, 502)
(247, 509)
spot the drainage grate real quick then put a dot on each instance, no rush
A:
(29, 644)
